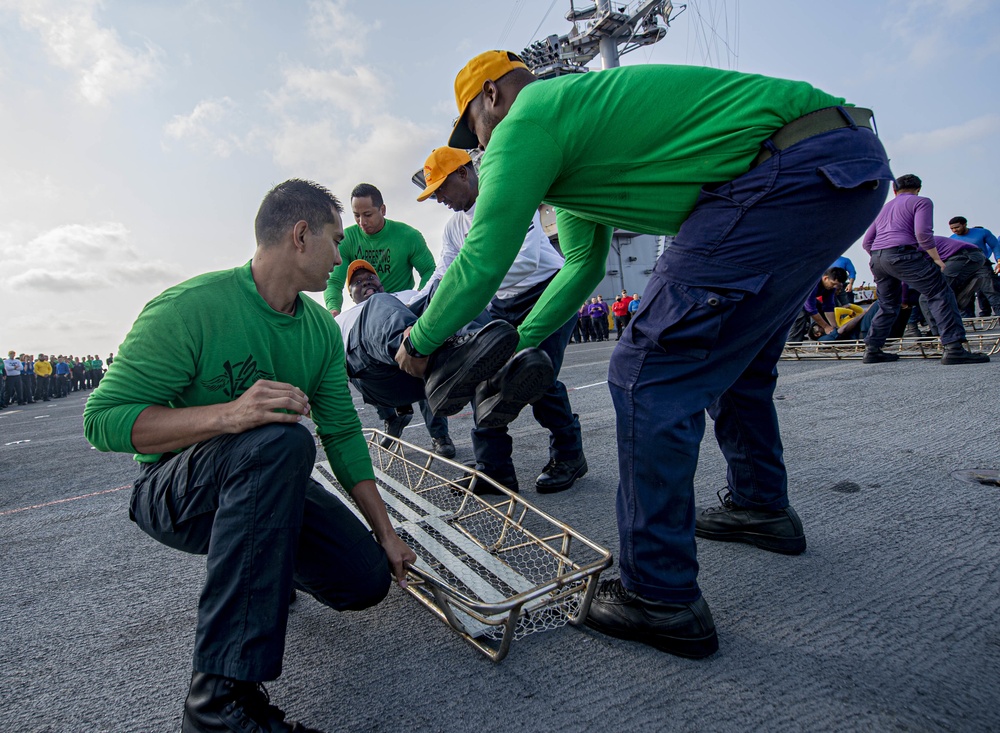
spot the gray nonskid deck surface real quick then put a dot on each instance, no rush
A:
(889, 620)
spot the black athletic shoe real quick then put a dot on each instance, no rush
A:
(777, 531)
(877, 356)
(462, 362)
(683, 629)
(221, 705)
(560, 475)
(523, 380)
(958, 354)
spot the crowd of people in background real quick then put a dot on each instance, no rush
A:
(27, 379)
(924, 284)
(595, 319)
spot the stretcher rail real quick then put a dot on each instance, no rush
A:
(494, 568)
(928, 347)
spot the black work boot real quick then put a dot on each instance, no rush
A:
(777, 531)
(221, 705)
(683, 629)
(505, 476)
(875, 355)
(523, 380)
(394, 426)
(560, 475)
(443, 446)
(956, 353)
(462, 362)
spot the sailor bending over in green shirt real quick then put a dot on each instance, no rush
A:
(209, 389)
(744, 169)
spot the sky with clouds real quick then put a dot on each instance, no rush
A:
(137, 139)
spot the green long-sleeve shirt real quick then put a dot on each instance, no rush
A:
(395, 252)
(205, 342)
(629, 148)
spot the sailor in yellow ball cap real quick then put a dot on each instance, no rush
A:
(744, 170)
(451, 179)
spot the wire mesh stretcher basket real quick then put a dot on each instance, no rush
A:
(494, 568)
(908, 348)
(981, 323)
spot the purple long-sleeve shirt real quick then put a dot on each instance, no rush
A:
(599, 310)
(947, 246)
(812, 305)
(906, 220)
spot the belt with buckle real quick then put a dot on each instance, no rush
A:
(814, 123)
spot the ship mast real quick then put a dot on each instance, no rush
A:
(607, 28)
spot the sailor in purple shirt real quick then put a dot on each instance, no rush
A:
(963, 263)
(900, 240)
(947, 247)
(829, 285)
(598, 311)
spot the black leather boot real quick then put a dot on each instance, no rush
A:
(560, 475)
(521, 381)
(462, 362)
(777, 531)
(221, 705)
(877, 356)
(957, 354)
(682, 629)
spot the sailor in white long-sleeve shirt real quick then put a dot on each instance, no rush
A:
(452, 180)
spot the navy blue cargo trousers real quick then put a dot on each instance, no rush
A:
(708, 334)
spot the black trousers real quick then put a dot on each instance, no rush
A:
(621, 322)
(493, 446)
(248, 503)
(14, 389)
(600, 326)
(896, 265)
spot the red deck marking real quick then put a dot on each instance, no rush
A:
(63, 501)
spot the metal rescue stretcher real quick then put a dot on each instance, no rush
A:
(982, 336)
(494, 568)
(928, 347)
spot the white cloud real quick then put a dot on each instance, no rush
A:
(948, 138)
(204, 113)
(925, 29)
(337, 30)
(62, 330)
(306, 149)
(311, 113)
(21, 188)
(80, 257)
(76, 42)
(358, 93)
(210, 125)
(55, 282)
(385, 151)
(329, 122)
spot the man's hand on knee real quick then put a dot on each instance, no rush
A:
(159, 429)
(266, 402)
